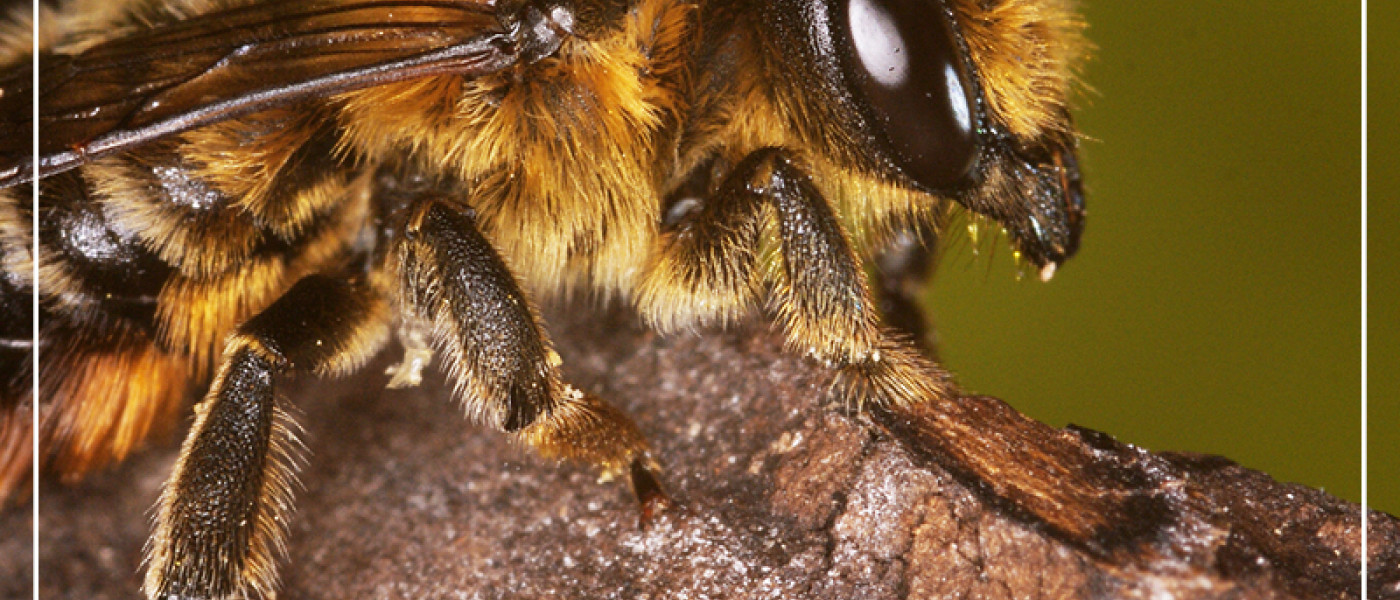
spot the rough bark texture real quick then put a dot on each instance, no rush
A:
(783, 496)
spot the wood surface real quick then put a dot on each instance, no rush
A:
(782, 493)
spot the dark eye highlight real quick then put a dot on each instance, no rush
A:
(906, 66)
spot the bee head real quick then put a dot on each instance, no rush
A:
(923, 94)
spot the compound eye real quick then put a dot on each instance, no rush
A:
(909, 70)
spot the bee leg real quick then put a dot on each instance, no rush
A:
(493, 344)
(222, 516)
(706, 271)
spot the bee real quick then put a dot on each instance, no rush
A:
(16, 278)
(235, 190)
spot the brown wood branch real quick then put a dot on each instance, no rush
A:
(784, 495)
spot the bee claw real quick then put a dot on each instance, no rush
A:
(652, 500)
(652, 508)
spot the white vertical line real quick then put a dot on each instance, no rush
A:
(1364, 265)
(34, 293)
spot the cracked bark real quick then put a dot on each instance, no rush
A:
(784, 496)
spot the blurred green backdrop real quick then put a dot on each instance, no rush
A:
(1215, 304)
(1384, 287)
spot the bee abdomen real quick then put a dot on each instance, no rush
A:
(153, 257)
(16, 341)
(104, 383)
(103, 394)
(93, 270)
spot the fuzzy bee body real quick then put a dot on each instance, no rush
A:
(693, 159)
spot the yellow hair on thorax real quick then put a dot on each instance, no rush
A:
(558, 157)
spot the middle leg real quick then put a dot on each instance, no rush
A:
(505, 371)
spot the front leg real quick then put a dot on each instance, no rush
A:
(222, 517)
(706, 270)
(505, 370)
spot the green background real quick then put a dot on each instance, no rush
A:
(1215, 305)
(1384, 213)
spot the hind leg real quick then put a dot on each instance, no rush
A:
(223, 513)
(707, 270)
(505, 369)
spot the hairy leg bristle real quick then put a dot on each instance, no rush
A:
(494, 347)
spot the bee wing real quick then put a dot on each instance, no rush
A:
(136, 88)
